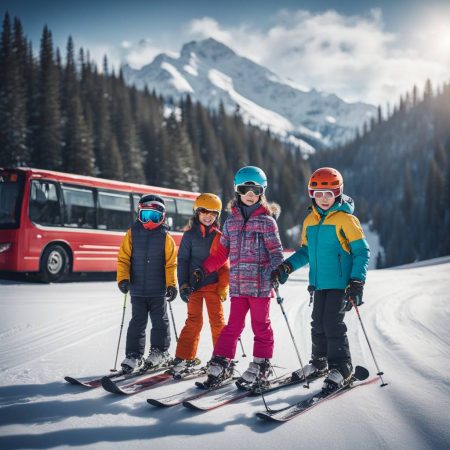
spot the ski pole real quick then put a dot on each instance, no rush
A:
(280, 302)
(120, 334)
(173, 321)
(242, 347)
(380, 373)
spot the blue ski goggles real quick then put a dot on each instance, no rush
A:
(150, 215)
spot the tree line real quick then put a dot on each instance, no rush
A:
(398, 170)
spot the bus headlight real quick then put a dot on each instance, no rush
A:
(5, 246)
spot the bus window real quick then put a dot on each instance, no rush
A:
(114, 211)
(185, 212)
(171, 211)
(9, 199)
(44, 207)
(136, 198)
(79, 207)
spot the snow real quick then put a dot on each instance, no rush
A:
(49, 331)
(252, 112)
(178, 81)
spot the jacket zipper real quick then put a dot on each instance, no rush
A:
(317, 243)
(340, 265)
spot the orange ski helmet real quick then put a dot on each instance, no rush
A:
(211, 202)
(326, 179)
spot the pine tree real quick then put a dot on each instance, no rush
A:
(78, 154)
(13, 111)
(47, 152)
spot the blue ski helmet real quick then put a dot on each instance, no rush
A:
(250, 174)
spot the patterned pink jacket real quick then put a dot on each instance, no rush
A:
(254, 248)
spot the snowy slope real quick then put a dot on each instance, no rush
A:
(49, 331)
(211, 72)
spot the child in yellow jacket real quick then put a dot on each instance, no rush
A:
(146, 267)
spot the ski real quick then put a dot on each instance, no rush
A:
(116, 376)
(149, 382)
(190, 394)
(233, 393)
(289, 412)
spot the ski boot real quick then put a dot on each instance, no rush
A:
(257, 375)
(132, 362)
(218, 370)
(183, 366)
(316, 368)
(157, 358)
(337, 378)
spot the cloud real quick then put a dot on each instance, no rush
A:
(352, 56)
(139, 54)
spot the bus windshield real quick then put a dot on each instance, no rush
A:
(10, 196)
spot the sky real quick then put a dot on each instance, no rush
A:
(371, 51)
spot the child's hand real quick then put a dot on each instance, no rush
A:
(198, 275)
(185, 292)
(281, 273)
(354, 291)
(124, 286)
(171, 293)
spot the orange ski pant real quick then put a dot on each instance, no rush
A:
(190, 334)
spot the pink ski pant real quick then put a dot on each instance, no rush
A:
(263, 335)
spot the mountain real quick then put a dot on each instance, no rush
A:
(211, 73)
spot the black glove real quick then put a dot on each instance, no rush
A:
(124, 286)
(171, 293)
(185, 292)
(198, 275)
(281, 273)
(354, 291)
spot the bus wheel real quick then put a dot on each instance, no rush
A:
(54, 263)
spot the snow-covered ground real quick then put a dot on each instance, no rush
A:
(49, 331)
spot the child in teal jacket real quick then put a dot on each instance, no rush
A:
(334, 245)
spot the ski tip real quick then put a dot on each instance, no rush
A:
(189, 405)
(361, 373)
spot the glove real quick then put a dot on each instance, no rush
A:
(223, 294)
(281, 273)
(198, 275)
(171, 293)
(124, 286)
(185, 292)
(354, 291)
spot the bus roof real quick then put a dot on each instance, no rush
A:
(103, 182)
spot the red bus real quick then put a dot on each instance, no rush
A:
(54, 223)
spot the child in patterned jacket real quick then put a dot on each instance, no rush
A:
(251, 240)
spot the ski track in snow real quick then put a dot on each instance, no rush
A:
(49, 331)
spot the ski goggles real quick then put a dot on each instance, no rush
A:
(206, 211)
(244, 189)
(325, 194)
(150, 215)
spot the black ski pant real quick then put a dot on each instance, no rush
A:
(142, 308)
(328, 330)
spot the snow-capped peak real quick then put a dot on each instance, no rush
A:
(212, 73)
